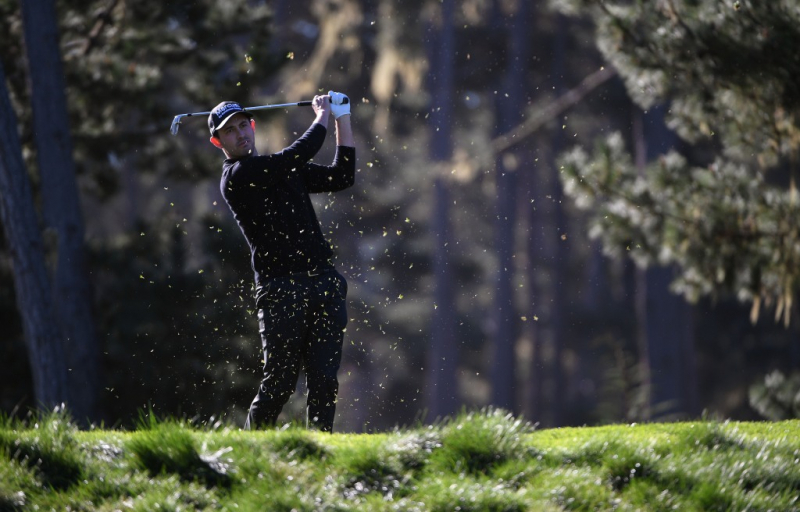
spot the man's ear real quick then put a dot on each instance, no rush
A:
(215, 141)
(253, 124)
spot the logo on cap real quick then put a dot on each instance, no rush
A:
(222, 112)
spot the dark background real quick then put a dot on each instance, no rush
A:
(473, 278)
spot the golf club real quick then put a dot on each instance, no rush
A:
(177, 121)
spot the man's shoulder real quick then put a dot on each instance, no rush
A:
(231, 168)
(247, 162)
(229, 163)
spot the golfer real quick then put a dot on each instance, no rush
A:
(300, 297)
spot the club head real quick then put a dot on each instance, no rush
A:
(176, 123)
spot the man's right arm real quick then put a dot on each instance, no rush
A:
(268, 169)
(304, 148)
(307, 146)
(322, 109)
(265, 170)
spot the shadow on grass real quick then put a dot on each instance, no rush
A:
(365, 471)
(168, 448)
(297, 444)
(12, 503)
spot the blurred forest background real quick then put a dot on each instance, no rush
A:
(582, 212)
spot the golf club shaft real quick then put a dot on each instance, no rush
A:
(266, 107)
(177, 121)
(260, 107)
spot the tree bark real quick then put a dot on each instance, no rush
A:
(72, 290)
(534, 385)
(442, 383)
(34, 301)
(509, 108)
(559, 241)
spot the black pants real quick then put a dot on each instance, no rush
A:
(302, 321)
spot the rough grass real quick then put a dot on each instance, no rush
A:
(482, 461)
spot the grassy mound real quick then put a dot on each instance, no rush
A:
(487, 461)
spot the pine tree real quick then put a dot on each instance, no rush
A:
(726, 214)
(129, 68)
(18, 218)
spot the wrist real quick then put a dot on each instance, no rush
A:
(322, 117)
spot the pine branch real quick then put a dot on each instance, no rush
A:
(721, 235)
(548, 110)
(103, 19)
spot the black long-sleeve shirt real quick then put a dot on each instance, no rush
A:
(269, 198)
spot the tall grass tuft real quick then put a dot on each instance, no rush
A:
(476, 442)
(46, 446)
(168, 448)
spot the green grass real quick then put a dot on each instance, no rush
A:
(483, 461)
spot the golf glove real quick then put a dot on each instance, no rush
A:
(340, 104)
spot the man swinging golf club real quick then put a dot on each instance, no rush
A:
(300, 297)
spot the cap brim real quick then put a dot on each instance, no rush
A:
(224, 121)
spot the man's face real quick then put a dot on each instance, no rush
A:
(237, 137)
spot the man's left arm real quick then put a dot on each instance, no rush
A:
(344, 132)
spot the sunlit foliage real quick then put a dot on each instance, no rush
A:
(730, 75)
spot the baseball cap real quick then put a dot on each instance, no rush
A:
(221, 113)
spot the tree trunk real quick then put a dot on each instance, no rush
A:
(280, 15)
(442, 382)
(535, 248)
(443, 395)
(510, 99)
(62, 210)
(595, 288)
(34, 301)
(558, 243)
(666, 334)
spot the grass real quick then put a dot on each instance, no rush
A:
(480, 461)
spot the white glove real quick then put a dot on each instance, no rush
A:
(340, 104)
